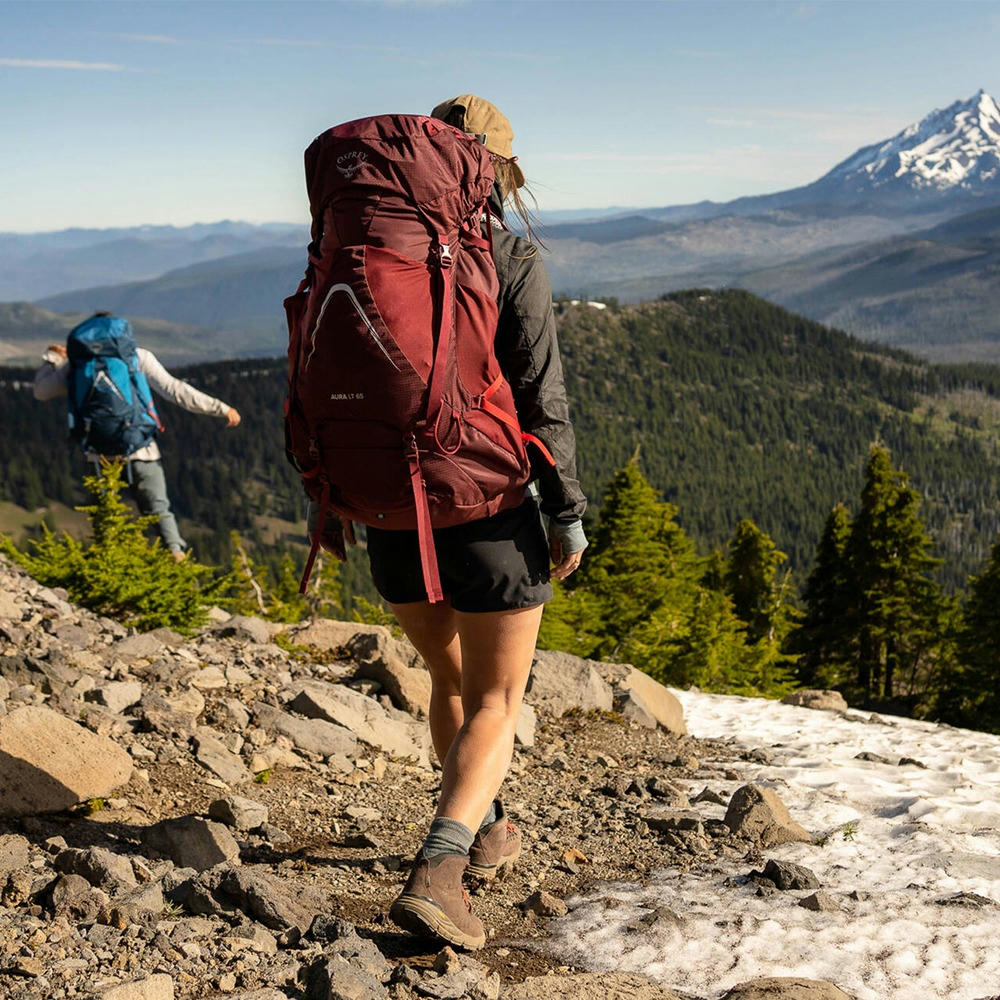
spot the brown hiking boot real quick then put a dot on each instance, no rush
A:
(495, 848)
(434, 902)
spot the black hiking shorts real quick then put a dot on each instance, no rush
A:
(499, 563)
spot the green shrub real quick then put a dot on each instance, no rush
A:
(120, 573)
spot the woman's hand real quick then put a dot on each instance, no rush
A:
(561, 537)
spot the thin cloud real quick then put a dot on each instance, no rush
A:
(65, 64)
(299, 43)
(152, 39)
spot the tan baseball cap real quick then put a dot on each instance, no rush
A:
(474, 115)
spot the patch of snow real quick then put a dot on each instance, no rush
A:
(907, 838)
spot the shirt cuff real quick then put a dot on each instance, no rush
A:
(570, 536)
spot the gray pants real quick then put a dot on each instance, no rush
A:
(149, 490)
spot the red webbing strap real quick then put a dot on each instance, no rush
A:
(546, 454)
(324, 506)
(425, 533)
(445, 326)
(495, 410)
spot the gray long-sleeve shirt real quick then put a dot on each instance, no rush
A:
(50, 383)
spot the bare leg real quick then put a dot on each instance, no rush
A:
(433, 630)
(497, 649)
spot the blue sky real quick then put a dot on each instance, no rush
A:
(160, 112)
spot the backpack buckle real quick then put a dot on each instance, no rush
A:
(444, 255)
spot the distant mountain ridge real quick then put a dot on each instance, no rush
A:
(827, 248)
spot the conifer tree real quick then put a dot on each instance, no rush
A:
(972, 696)
(895, 611)
(120, 573)
(642, 561)
(823, 639)
(751, 580)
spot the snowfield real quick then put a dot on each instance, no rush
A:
(919, 846)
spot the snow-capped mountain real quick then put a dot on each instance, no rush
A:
(957, 147)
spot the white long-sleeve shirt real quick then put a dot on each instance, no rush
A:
(51, 383)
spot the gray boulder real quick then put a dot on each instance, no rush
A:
(313, 735)
(116, 696)
(213, 755)
(48, 763)
(364, 717)
(327, 634)
(238, 812)
(396, 665)
(244, 628)
(192, 842)
(99, 866)
(560, 682)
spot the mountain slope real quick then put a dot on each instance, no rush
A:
(740, 409)
(26, 329)
(33, 265)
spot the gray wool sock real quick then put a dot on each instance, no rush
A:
(447, 836)
(491, 817)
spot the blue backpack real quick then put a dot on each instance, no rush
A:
(111, 409)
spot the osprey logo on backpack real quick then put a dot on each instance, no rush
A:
(350, 163)
(111, 409)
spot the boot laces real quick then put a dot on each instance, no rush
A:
(466, 900)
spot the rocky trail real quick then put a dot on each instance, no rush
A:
(230, 814)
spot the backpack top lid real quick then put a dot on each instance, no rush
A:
(101, 336)
(385, 158)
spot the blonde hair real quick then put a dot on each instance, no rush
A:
(503, 170)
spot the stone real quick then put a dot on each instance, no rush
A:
(364, 717)
(631, 706)
(673, 821)
(787, 876)
(239, 812)
(759, 815)
(261, 896)
(268, 993)
(244, 628)
(75, 899)
(192, 842)
(48, 763)
(326, 634)
(314, 735)
(832, 701)
(544, 904)
(116, 696)
(208, 679)
(396, 665)
(137, 647)
(10, 610)
(213, 755)
(821, 902)
(657, 700)
(589, 986)
(139, 906)
(668, 792)
(335, 979)
(171, 717)
(786, 988)
(157, 987)
(13, 854)
(560, 682)
(524, 731)
(99, 866)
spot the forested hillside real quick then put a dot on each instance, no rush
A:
(739, 408)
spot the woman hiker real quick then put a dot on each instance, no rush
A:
(479, 642)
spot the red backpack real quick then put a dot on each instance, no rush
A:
(398, 415)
